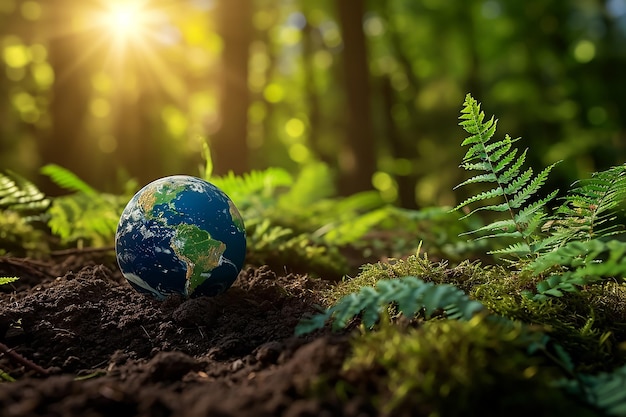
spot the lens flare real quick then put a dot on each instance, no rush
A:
(125, 21)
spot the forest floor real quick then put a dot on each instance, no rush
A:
(107, 350)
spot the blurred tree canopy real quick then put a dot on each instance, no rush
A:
(132, 88)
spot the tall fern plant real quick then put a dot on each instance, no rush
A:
(567, 250)
(498, 164)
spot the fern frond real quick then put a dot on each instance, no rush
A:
(7, 280)
(410, 294)
(84, 218)
(67, 180)
(588, 210)
(503, 166)
(604, 391)
(519, 250)
(260, 184)
(18, 194)
(579, 263)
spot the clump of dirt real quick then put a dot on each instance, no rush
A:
(110, 350)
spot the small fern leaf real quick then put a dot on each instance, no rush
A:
(19, 194)
(66, 179)
(518, 249)
(486, 195)
(7, 280)
(489, 177)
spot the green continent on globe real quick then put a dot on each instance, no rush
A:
(234, 214)
(165, 195)
(200, 253)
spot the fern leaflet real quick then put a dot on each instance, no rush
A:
(410, 294)
(7, 280)
(67, 180)
(19, 195)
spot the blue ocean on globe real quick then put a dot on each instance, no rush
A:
(180, 235)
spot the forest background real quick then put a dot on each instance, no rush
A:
(114, 90)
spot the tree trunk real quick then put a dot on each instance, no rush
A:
(358, 157)
(229, 145)
(66, 145)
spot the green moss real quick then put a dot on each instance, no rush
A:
(453, 368)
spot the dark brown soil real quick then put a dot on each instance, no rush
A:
(108, 350)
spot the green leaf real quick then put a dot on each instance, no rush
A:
(7, 280)
(66, 179)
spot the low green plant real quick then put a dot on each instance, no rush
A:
(453, 368)
(22, 208)
(605, 391)
(7, 280)
(410, 295)
(85, 217)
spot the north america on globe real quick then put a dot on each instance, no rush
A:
(180, 235)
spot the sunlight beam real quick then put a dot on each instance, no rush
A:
(125, 21)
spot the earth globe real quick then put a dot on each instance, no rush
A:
(180, 235)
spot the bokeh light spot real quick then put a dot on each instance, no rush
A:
(16, 56)
(101, 82)
(374, 26)
(323, 59)
(294, 127)
(100, 107)
(31, 10)
(43, 75)
(274, 93)
(299, 153)
(386, 185)
(175, 121)
(584, 51)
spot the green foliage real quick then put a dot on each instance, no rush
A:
(20, 195)
(298, 222)
(7, 280)
(501, 166)
(572, 255)
(447, 367)
(605, 391)
(67, 179)
(579, 263)
(22, 206)
(281, 247)
(85, 217)
(589, 209)
(411, 295)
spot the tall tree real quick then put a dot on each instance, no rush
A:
(358, 156)
(229, 145)
(66, 144)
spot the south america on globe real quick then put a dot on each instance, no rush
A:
(180, 235)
